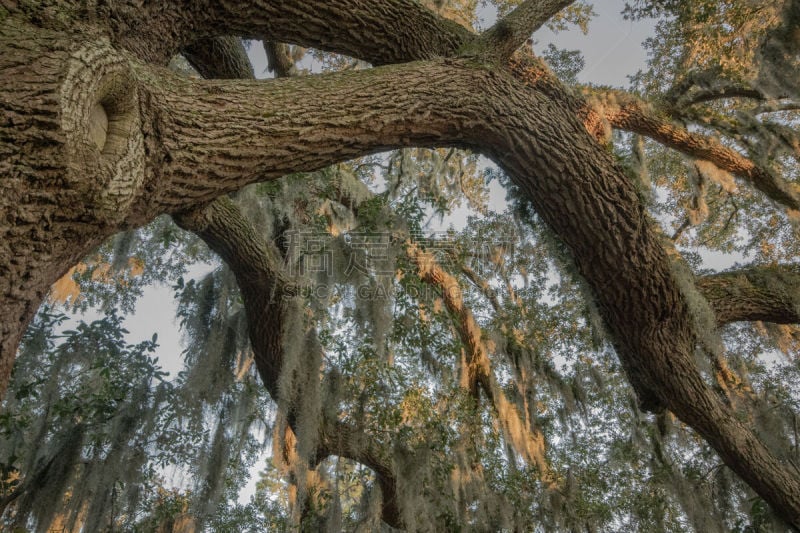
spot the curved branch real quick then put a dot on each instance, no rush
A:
(267, 292)
(265, 288)
(347, 441)
(243, 132)
(769, 294)
(625, 111)
(380, 32)
(709, 95)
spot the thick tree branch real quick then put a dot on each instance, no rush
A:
(259, 274)
(512, 31)
(242, 132)
(624, 111)
(278, 60)
(434, 36)
(769, 294)
(380, 32)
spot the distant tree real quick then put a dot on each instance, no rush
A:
(568, 364)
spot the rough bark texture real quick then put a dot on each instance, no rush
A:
(70, 70)
(769, 294)
(390, 31)
(511, 32)
(220, 58)
(67, 161)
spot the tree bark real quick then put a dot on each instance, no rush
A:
(67, 163)
(769, 294)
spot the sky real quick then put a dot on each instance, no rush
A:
(612, 48)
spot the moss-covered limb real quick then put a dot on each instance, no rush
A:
(258, 269)
(733, 387)
(509, 33)
(602, 110)
(220, 58)
(241, 132)
(268, 294)
(624, 111)
(346, 440)
(514, 348)
(768, 294)
(527, 439)
(259, 274)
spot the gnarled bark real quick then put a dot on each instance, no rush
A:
(67, 163)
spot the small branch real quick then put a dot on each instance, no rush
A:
(776, 107)
(526, 439)
(710, 95)
(483, 286)
(678, 232)
(509, 33)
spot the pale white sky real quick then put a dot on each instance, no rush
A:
(612, 49)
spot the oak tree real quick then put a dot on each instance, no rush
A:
(99, 137)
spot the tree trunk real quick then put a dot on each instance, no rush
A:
(66, 162)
